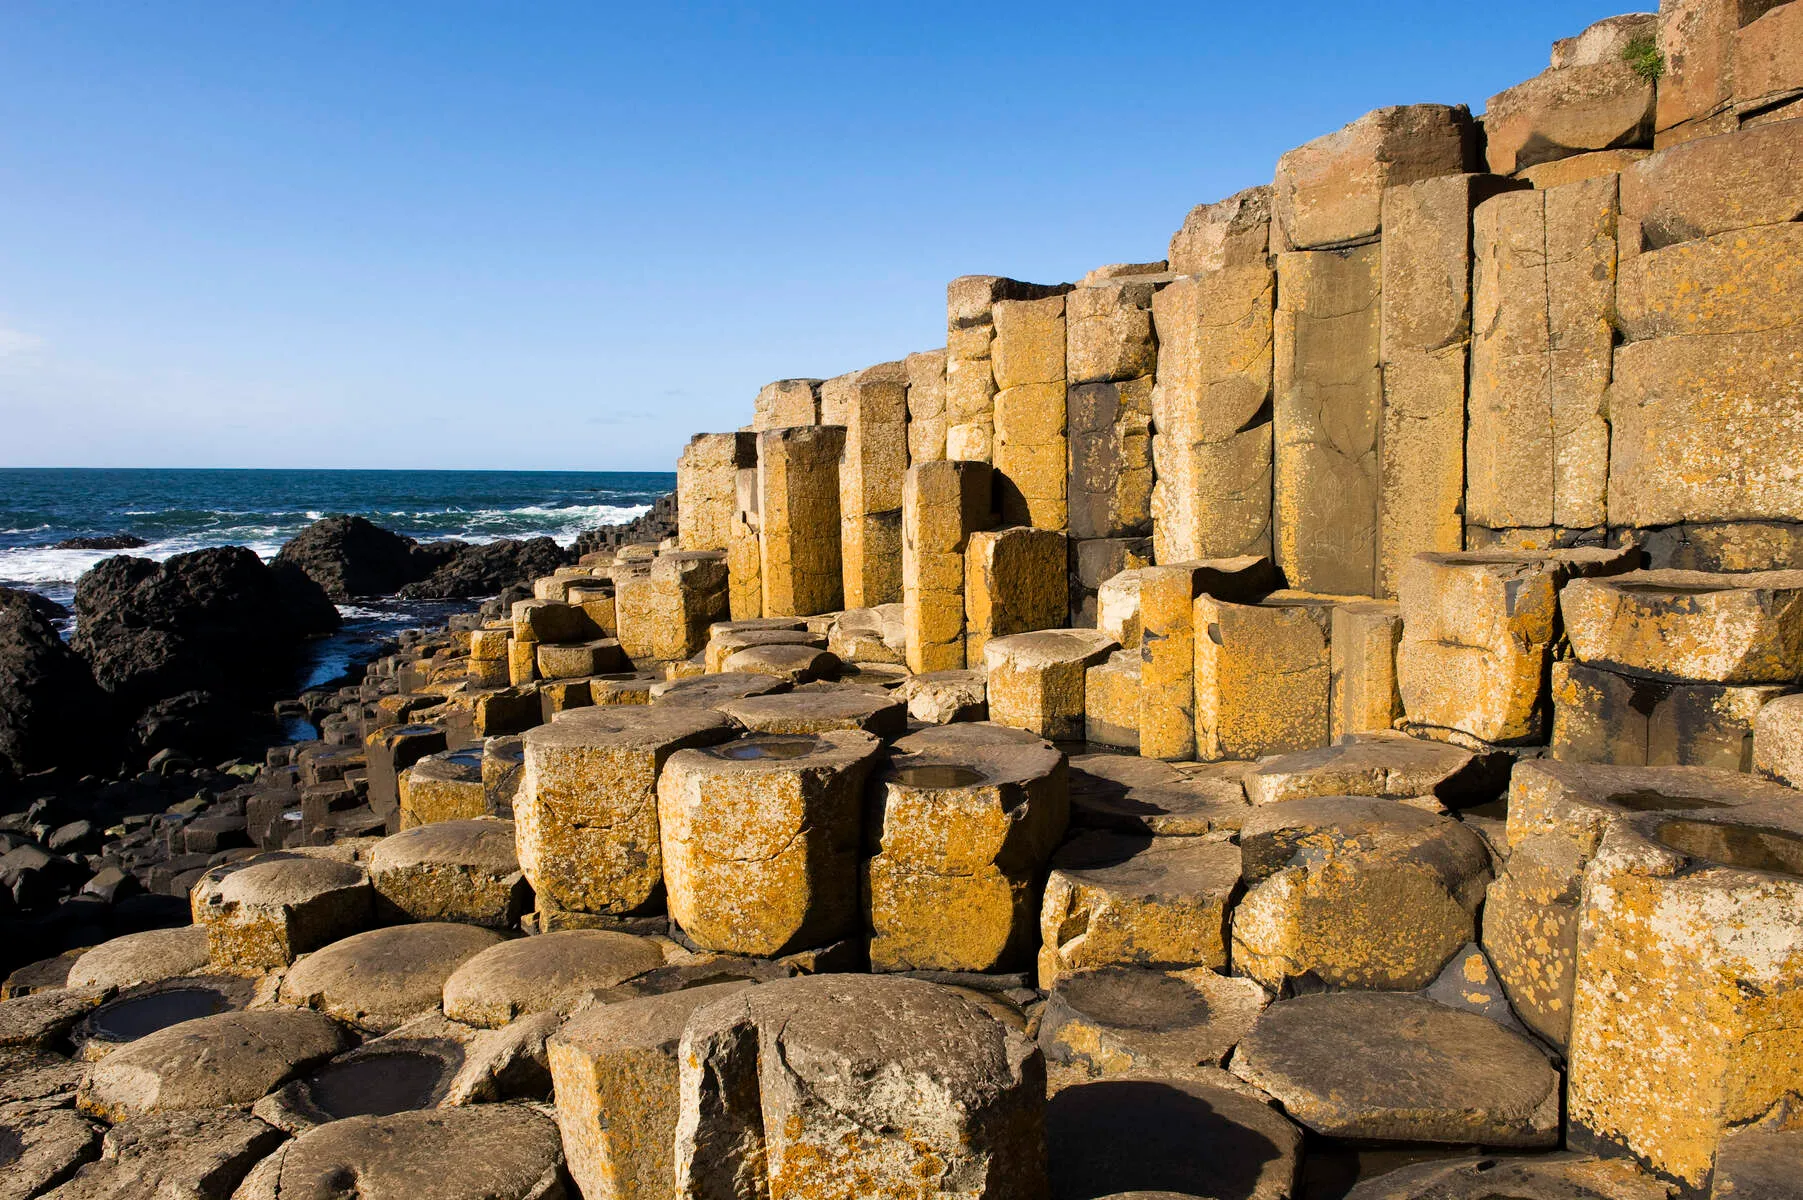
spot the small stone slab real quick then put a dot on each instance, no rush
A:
(1146, 1136)
(541, 973)
(481, 1152)
(941, 697)
(1120, 1020)
(1689, 625)
(1393, 1067)
(383, 978)
(222, 1061)
(141, 958)
(710, 691)
(794, 664)
(43, 1017)
(1129, 794)
(463, 871)
(723, 644)
(196, 1155)
(39, 1149)
(31, 1078)
(1381, 764)
(820, 712)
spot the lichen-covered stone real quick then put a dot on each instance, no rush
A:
(1689, 625)
(1037, 680)
(381, 979)
(1120, 1019)
(265, 914)
(536, 974)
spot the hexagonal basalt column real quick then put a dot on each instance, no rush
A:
(267, 913)
(1037, 681)
(965, 819)
(586, 815)
(761, 837)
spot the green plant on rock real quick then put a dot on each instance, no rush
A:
(1642, 55)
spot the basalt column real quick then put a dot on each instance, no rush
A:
(872, 405)
(798, 507)
(706, 483)
(970, 381)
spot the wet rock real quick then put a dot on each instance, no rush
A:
(383, 978)
(776, 1092)
(1153, 1138)
(228, 1060)
(542, 973)
(1391, 1067)
(483, 1152)
(148, 1008)
(486, 569)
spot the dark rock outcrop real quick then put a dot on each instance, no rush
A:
(109, 541)
(350, 556)
(486, 569)
(652, 526)
(217, 623)
(51, 711)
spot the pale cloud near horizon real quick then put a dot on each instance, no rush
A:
(17, 341)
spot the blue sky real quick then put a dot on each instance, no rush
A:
(568, 236)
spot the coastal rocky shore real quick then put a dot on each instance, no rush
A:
(1318, 715)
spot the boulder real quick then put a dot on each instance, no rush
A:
(543, 973)
(51, 711)
(451, 871)
(1355, 892)
(488, 568)
(381, 979)
(1120, 1020)
(1592, 99)
(761, 839)
(776, 1092)
(1386, 1066)
(348, 556)
(222, 1061)
(941, 697)
(483, 1152)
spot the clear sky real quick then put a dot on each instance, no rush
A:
(541, 235)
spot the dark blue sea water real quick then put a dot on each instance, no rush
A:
(177, 511)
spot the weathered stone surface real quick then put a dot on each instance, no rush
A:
(744, 552)
(1689, 625)
(1027, 358)
(1133, 795)
(1329, 192)
(665, 613)
(1710, 186)
(1109, 490)
(1124, 899)
(1151, 1138)
(1687, 997)
(1036, 680)
(1120, 1019)
(871, 635)
(1734, 282)
(537, 974)
(970, 378)
(141, 958)
(1592, 101)
(1401, 1068)
(1357, 892)
(43, 1017)
(222, 1061)
(1426, 335)
(710, 690)
(1014, 582)
(539, 620)
(1380, 764)
(1117, 606)
(1094, 561)
(1768, 70)
(482, 1152)
(1537, 445)
(798, 497)
(1233, 232)
(383, 978)
(1327, 417)
(872, 406)
(725, 642)
(962, 1113)
(265, 914)
(1111, 701)
(42, 1149)
(1558, 814)
(1477, 634)
(617, 1076)
(1602, 716)
(1778, 740)
(941, 697)
(446, 786)
(942, 506)
(1757, 1163)
(1166, 596)
(1262, 675)
(961, 825)
(1210, 409)
(761, 839)
(1109, 330)
(1697, 83)
(926, 405)
(597, 656)
(1580, 167)
(811, 712)
(787, 403)
(196, 1155)
(586, 815)
(136, 1012)
(706, 483)
(1541, 1177)
(1362, 692)
(33, 1078)
(1730, 401)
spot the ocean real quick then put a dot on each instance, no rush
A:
(175, 511)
